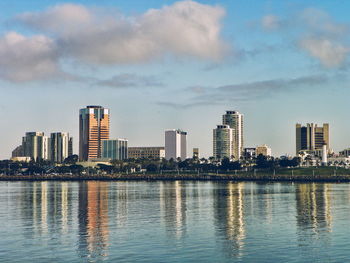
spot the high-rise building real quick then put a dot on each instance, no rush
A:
(115, 149)
(175, 144)
(18, 152)
(234, 120)
(223, 142)
(93, 128)
(36, 145)
(59, 146)
(311, 137)
(146, 153)
(263, 150)
(70, 146)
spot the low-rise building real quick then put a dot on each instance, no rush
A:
(195, 153)
(24, 159)
(345, 152)
(264, 150)
(249, 153)
(146, 152)
(115, 149)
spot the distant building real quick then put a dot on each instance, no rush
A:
(264, 150)
(93, 128)
(195, 154)
(234, 119)
(36, 145)
(59, 146)
(175, 144)
(249, 153)
(70, 146)
(311, 137)
(115, 149)
(223, 142)
(345, 153)
(146, 153)
(18, 152)
(21, 159)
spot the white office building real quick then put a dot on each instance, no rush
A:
(175, 144)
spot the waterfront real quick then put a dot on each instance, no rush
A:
(93, 221)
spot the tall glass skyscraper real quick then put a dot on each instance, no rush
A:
(234, 119)
(93, 128)
(228, 137)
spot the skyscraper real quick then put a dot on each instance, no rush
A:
(223, 142)
(59, 146)
(70, 146)
(93, 128)
(175, 144)
(35, 145)
(228, 137)
(234, 119)
(311, 137)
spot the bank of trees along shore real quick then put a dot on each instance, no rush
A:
(192, 165)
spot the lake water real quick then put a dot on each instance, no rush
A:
(98, 221)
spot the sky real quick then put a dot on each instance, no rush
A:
(161, 65)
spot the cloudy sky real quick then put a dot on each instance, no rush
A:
(175, 64)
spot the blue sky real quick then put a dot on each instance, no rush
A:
(175, 64)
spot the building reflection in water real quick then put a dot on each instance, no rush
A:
(229, 216)
(313, 205)
(93, 219)
(173, 207)
(45, 207)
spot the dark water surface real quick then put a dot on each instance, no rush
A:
(98, 221)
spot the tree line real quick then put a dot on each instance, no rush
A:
(203, 165)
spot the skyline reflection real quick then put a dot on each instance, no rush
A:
(97, 218)
(229, 216)
(93, 219)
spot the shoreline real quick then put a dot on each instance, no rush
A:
(183, 177)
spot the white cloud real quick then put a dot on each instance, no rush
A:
(327, 51)
(186, 28)
(27, 58)
(324, 39)
(270, 22)
(63, 18)
(320, 22)
(317, 33)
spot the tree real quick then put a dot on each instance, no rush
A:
(225, 164)
(71, 159)
(76, 168)
(152, 167)
(262, 162)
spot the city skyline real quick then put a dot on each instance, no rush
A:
(291, 68)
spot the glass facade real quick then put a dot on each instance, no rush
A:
(115, 149)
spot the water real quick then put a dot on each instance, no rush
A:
(174, 222)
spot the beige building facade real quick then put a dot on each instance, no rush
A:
(146, 152)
